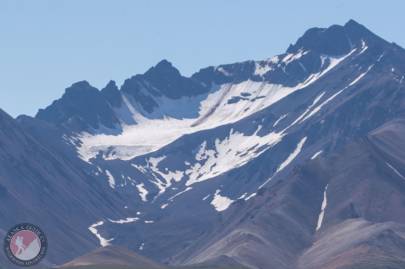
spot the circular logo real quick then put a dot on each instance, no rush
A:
(25, 245)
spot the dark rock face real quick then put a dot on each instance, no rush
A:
(85, 108)
(171, 83)
(44, 185)
(161, 80)
(314, 180)
(230, 73)
(112, 94)
(332, 41)
(335, 40)
(82, 105)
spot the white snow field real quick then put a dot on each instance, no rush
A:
(228, 103)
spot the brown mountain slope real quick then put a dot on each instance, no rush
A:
(112, 257)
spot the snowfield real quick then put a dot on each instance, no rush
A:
(144, 132)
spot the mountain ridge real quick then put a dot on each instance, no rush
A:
(256, 165)
(163, 72)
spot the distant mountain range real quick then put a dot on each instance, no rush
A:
(293, 162)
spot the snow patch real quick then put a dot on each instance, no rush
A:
(111, 180)
(220, 203)
(123, 221)
(162, 180)
(223, 71)
(318, 108)
(93, 229)
(180, 193)
(396, 171)
(293, 57)
(279, 119)
(250, 196)
(316, 155)
(287, 161)
(234, 151)
(262, 68)
(143, 192)
(333, 62)
(364, 47)
(302, 117)
(361, 76)
(323, 208)
(293, 155)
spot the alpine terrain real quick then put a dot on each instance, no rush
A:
(293, 162)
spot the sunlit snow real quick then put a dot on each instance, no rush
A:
(234, 151)
(293, 155)
(361, 76)
(111, 180)
(150, 133)
(316, 155)
(162, 180)
(323, 208)
(220, 202)
(93, 229)
(142, 191)
(124, 221)
(395, 171)
(279, 120)
(293, 57)
(289, 159)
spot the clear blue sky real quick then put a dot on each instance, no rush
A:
(46, 45)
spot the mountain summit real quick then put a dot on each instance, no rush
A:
(291, 162)
(335, 40)
(313, 52)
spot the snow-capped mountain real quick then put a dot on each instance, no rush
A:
(291, 162)
(121, 124)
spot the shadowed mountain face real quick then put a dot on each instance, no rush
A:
(294, 162)
(40, 185)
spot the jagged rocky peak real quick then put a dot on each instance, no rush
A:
(335, 40)
(81, 106)
(313, 53)
(163, 68)
(162, 80)
(83, 85)
(111, 86)
(168, 80)
(112, 94)
(307, 56)
(316, 51)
